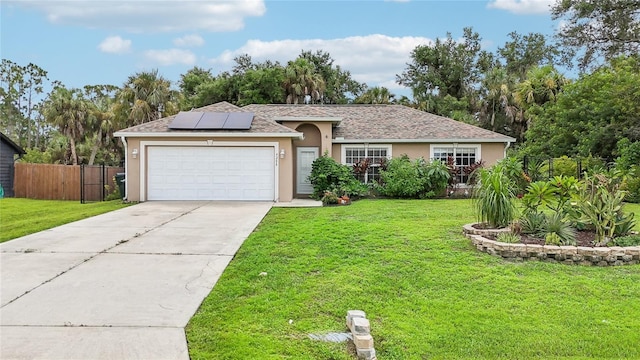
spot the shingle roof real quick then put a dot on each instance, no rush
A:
(379, 122)
(8, 141)
(358, 122)
(258, 125)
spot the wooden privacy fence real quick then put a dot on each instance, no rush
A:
(63, 182)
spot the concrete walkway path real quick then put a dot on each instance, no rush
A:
(121, 285)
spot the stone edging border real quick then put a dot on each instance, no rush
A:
(589, 256)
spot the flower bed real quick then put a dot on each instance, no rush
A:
(582, 255)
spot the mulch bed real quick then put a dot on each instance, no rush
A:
(583, 238)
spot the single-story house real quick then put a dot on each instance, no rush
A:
(8, 152)
(264, 152)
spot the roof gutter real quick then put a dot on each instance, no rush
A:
(432, 140)
(505, 149)
(126, 168)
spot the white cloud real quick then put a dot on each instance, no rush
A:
(374, 59)
(170, 57)
(522, 6)
(189, 41)
(149, 15)
(115, 45)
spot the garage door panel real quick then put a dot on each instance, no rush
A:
(210, 173)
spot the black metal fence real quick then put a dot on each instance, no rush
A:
(543, 168)
(97, 182)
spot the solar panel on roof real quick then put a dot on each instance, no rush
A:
(238, 121)
(186, 120)
(212, 121)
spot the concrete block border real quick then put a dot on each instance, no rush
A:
(588, 256)
(361, 330)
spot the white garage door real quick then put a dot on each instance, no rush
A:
(210, 173)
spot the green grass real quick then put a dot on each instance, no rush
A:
(634, 208)
(427, 292)
(20, 217)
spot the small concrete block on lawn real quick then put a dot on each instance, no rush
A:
(361, 326)
(363, 341)
(366, 354)
(351, 314)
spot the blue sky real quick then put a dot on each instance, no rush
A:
(83, 42)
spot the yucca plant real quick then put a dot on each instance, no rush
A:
(532, 222)
(509, 237)
(556, 230)
(494, 197)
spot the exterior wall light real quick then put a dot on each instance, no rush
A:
(281, 153)
(134, 153)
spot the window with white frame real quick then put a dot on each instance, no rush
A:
(372, 155)
(459, 156)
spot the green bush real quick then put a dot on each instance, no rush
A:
(629, 240)
(494, 197)
(510, 238)
(556, 231)
(437, 176)
(631, 184)
(600, 203)
(403, 178)
(532, 222)
(328, 175)
(561, 166)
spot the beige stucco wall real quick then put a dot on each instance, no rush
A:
(326, 133)
(490, 152)
(285, 165)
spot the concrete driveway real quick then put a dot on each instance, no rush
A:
(121, 285)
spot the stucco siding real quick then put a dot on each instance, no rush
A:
(490, 153)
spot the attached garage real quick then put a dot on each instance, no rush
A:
(246, 173)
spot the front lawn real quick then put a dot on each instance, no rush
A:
(20, 217)
(427, 292)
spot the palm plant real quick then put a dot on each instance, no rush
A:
(494, 197)
(300, 80)
(376, 95)
(143, 97)
(69, 111)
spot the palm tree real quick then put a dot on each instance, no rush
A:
(301, 80)
(69, 111)
(542, 85)
(102, 101)
(376, 95)
(499, 85)
(143, 96)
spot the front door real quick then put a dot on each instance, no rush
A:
(306, 156)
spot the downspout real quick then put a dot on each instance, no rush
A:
(505, 149)
(126, 168)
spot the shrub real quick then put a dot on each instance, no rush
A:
(532, 222)
(437, 176)
(329, 198)
(558, 231)
(561, 166)
(494, 197)
(600, 202)
(404, 178)
(328, 175)
(510, 238)
(631, 184)
(629, 240)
